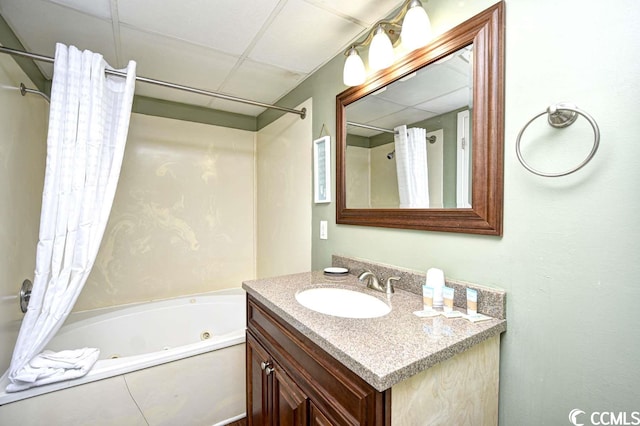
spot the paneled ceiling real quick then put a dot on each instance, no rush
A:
(254, 49)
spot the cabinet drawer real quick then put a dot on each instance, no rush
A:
(341, 395)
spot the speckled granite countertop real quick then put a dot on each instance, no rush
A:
(383, 351)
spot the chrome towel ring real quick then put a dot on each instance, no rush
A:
(559, 116)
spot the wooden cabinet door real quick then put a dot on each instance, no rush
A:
(273, 399)
(290, 404)
(316, 417)
(302, 377)
(258, 384)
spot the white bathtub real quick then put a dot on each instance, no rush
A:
(195, 346)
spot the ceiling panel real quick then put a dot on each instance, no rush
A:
(407, 116)
(54, 23)
(370, 109)
(99, 8)
(257, 50)
(261, 82)
(365, 11)
(302, 37)
(225, 25)
(448, 102)
(434, 80)
(458, 64)
(167, 59)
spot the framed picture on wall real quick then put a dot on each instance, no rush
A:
(322, 169)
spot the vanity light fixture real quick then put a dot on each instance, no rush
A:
(354, 73)
(416, 28)
(410, 26)
(380, 51)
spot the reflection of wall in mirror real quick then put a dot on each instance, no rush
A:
(357, 179)
(384, 178)
(435, 168)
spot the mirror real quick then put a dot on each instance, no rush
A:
(452, 88)
(438, 98)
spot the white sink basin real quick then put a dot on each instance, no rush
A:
(340, 302)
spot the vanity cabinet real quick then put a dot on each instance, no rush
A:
(402, 369)
(292, 381)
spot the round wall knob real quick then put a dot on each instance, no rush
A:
(25, 295)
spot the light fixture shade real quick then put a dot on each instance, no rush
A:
(380, 51)
(354, 73)
(416, 27)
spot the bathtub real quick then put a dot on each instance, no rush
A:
(179, 361)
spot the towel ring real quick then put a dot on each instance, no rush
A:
(559, 116)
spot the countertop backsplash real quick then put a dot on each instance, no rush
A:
(491, 301)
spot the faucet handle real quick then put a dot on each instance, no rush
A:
(389, 287)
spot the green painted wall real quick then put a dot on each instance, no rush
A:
(9, 39)
(569, 255)
(197, 114)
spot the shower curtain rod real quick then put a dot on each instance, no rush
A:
(302, 113)
(24, 90)
(367, 126)
(431, 139)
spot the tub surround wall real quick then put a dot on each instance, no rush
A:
(23, 140)
(183, 216)
(284, 197)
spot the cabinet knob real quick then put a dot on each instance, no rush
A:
(266, 366)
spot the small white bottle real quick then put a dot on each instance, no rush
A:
(427, 298)
(435, 280)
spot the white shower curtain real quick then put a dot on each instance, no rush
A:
(411, 166)
(88, 124)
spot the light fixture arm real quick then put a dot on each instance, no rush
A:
(395, 21)
(410, 22)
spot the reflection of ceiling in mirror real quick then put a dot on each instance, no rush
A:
(444, 86)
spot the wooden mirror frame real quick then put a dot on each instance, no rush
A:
(486, 32)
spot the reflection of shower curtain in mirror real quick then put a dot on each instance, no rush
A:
(411, 165)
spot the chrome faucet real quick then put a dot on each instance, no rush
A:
(371, 280)
(374, 284)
